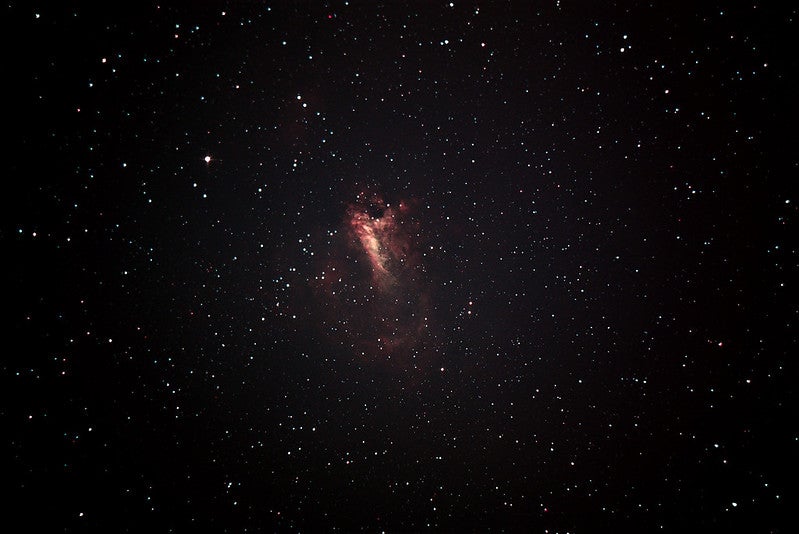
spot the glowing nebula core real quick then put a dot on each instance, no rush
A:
(384, 238)
(372, 286)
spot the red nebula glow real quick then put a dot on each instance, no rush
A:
(383, 235)
(373, 285)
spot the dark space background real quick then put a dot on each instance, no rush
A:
(592, 326)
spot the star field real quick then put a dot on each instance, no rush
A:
(401, 267)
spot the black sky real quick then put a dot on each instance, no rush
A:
(422, 266)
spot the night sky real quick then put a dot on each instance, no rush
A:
(420, 266)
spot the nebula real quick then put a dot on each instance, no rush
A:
(372, 287)
(384, 238)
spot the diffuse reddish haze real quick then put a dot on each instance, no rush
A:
(372, 286)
